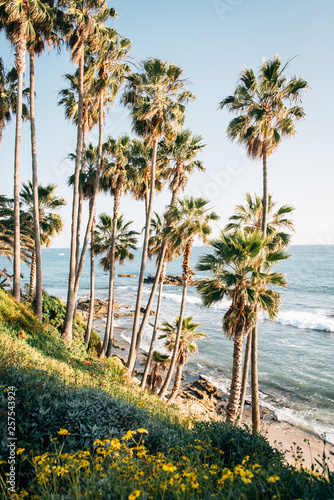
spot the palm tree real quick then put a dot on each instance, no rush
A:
(140, 158)
(117, 177)
(179, 159)
(234, 265)
(265, 113)
(7, 232)
(50, 223)
(265, 116)
(83, 27)
(16, 18)
(108, 54)
(8, 97)
(249, 218)
(154, 379)
(186, 345)
(68, 97)
(115, 238)
(156, 241)
(156, 99)
(191, 219)
(87, 180)
(40, 34)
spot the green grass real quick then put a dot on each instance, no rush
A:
(167, 456)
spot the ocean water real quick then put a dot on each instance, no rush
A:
(296, 350)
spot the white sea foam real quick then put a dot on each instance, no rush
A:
(306, 320)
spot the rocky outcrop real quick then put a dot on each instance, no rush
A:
(172, 280)
(100, 308)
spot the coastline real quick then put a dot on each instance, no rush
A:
(299, 446)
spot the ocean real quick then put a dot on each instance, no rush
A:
(296, 350)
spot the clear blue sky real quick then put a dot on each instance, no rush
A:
(212, 41)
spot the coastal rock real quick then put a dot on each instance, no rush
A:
(100, 307)
(121, 275)
(202, 389)
(171, 280)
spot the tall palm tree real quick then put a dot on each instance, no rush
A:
(8, 97)
(106, 63)
(87, 181)
(234, 265)
(141, 159)
(17, 18)
(265, 116)
(116, 178)
(266, 108)
(83, 27)
(40, 35)
(115, 238)
(50, 223)
(249, 218)
(186, 345)
(157, 240)
(69, 98)
(191, 219)
(178, 156)
(156, 99)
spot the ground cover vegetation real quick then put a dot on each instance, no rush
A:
(85, 431)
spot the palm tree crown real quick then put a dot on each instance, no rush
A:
(126, 241)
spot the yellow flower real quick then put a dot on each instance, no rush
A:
(246, 479)
(142, 431)
(135, 494)
(169, 467)
(6, 390)
(273, 479)
(128, 435)
(19, 451)
(54, 439)
(64, 432)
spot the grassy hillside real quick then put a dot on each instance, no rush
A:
(83, 431)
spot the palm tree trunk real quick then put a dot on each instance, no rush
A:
(162, 265)
(235, 390)
(132, 352)
(150, 300)
(165, 385)
(77, 254)
(20, 67)
(92, 285)
(32, 275)
(245, 375)
(92, 212)
(255, 382)
(177, 383)
(265, 193)
(38, 256)
(71, 299)
(108, 336)
(154, 334)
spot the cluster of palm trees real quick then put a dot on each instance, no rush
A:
(162, 153)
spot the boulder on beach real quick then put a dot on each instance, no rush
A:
(100, 308)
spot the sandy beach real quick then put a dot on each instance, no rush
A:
(299, 447)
